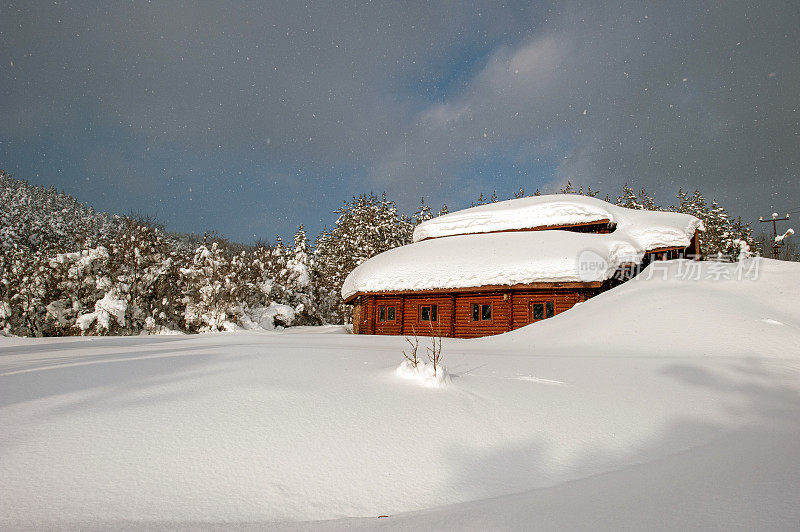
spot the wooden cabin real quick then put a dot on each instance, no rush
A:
(495, 268)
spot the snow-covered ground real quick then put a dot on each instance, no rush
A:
(661, 404)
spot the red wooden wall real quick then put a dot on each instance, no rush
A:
(501, 311)
(510, 310)
(411, 316)
(562, 300)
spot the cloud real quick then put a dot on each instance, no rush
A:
(273, 103)
(633, 94)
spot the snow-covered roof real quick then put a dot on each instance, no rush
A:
(660, 229)
(469, 257)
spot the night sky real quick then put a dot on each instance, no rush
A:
(250, 119)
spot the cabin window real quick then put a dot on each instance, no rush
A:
(429, 313)
(386, 313)
(481, 312)
(540, 311)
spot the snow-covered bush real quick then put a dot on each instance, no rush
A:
(424, 373)
(110, 306)
(431, 373)
(271, 317)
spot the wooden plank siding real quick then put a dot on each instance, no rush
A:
(370, 315)
(467, 328)
(510, 310)
(412, 324)
(388, 326)
(358, 316)
(562, 301)
(482, 289)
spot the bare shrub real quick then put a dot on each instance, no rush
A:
(411, 356)
(435, 351)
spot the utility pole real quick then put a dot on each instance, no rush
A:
(776, 245)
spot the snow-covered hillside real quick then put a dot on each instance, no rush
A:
(668, 402)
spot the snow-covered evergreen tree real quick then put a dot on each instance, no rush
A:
(631, 200)
(722, 236)
(423, 213)
(366, 225)
(209, 290)
(569, 189)
(628, 198)
(296, 279)
(480, 201)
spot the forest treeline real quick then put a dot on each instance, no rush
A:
(68, 270)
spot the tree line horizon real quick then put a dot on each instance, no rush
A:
(66, 269)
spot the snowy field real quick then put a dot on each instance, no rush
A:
(662, 404)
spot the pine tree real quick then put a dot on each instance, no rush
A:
(210, 285)
(630, 200)
(481, 201)
(422, 214)
(721, 237)
(569, 189)
(366, 226)
(298, 284)
(648, 202)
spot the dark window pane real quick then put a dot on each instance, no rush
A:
(550, 310)
(434, 313)
(538, 311)
(425, 313)
(382, 314)
(486, 312)
(476, 312)
(390, 314)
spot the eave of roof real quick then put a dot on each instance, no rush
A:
(604, 221)
(566, 285)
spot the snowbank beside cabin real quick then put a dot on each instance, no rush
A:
(703, 308)
(650, 229)
(469, 257)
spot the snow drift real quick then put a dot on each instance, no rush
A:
(747, 308)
